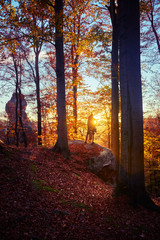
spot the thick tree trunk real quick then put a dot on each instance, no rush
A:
(124, 164)
(132, 152)
(62, 141)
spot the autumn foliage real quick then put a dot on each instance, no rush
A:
(152, 153)
(48, 196)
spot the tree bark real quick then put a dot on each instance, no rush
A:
(75, 107)
(132, 151)
(62, 141)
(75, 58)
(75, 76)
(114, 77)
(16, 106)
(37, 81)
(21, 118)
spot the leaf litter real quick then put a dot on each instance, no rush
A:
(44, 196)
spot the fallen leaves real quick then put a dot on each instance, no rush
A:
(44, 196)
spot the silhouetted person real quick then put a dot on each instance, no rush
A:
(91, 128)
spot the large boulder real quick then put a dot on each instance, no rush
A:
(27, 124)
(104, 166)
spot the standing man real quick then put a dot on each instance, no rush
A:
(91, 128)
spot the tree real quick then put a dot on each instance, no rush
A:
(113, 9)
(18, 109)
(150, 37)
(79, 17)
(33, 32)
(132, 152)
(150, 12)
(62, 141)
(11, 45)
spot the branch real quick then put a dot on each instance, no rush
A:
(47, 41)
(48, 2)
(32, 69)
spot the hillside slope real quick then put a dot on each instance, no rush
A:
(44, 196)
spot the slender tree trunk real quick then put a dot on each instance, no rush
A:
(132, 151)
(156, 35)
(20, 109)
(75, 58)
(38, 97)
(16, 122)
(16, 107)
(151, 19)
(35, 72)
(62, 141)
(75, 75)
(114, 76)
(75, 107)
(21, 118)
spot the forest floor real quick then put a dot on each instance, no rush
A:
(44, 196)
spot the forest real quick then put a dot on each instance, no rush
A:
(60, 61)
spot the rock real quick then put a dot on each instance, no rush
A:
(75, 142)
(104, 166)
(27, 124)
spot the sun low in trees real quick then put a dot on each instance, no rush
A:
(58, 19)
(113, 9)
(78, 40)
(102, 34)
(102, 114)
(78, 17)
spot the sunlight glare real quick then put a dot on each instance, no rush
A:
(97, 117)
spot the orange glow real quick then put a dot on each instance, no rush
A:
(97, 117)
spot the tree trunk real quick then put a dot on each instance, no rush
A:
(75, 58)
(151, 19)
(132, 152)
(21, 119)
(16, 109)
(124, 163)
(62, 141)
(38, 97)
(75, 107)
(16, 120)
(75, 76)
(114, 76)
